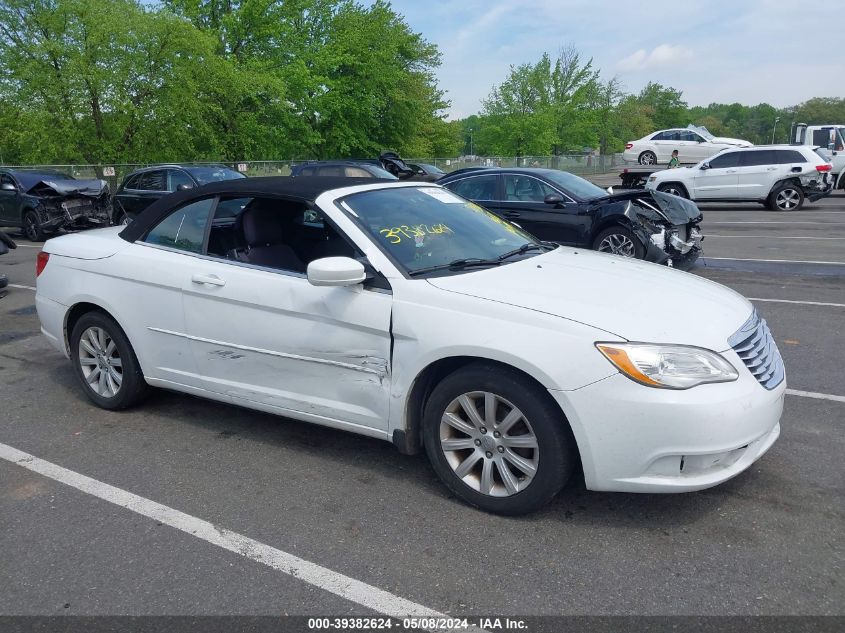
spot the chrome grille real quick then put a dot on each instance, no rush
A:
(754, 344)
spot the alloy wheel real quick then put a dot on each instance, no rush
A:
(489, 444)
(100, 362)
(647, 158)
(787, 199)
(617, 244)
(30, 227)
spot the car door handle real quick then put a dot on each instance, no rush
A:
(771, 168)
(211, 280)
(511, 214)
(730, 171)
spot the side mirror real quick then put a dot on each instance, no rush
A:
(554, 199)
(7, 186)
(336, 271)
(610, 190)
(184, 187)
(705, 166)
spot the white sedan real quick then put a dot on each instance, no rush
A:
(693, 145)
(406, 313)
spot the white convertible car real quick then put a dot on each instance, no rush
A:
(404, 312)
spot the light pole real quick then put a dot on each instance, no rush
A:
(470, 143)
(774, 127)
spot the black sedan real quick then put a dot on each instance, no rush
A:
(42, 202)
(143, 187)
(560, 207)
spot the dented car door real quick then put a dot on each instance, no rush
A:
(277, 340)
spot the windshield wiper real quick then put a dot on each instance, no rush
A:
(528, 246)
(457, 264)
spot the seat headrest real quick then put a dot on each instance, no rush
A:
(263, 222)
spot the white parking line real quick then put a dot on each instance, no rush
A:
(806, 303)
(28, 245)
(773, 222)
(21, 286)
(813, 394)
(779, 237)
(348, 588)
(779, 261)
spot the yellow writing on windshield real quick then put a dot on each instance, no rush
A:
(397, 233)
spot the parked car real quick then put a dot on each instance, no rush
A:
(560, 207)
(43, 201)
(342, 168)
(425, 172)
(406, 313)
(779, 176)
(693, 144)
(143, 187)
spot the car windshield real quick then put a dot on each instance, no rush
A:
(379, 172)
(701, 130)
(575, 185)
(46, 175)
(205, 175)
(429, 227)
(431, 168)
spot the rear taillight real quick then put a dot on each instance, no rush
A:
(41, 262)
(825, 167)
(628, 145)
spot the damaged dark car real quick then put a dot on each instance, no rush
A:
(557, 206)
(42, 202)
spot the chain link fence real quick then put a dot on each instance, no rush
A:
(581, 164)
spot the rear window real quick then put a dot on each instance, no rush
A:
(789, 156)
(758, 157)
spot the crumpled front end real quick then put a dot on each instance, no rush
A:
(668, 227)
(71, 204)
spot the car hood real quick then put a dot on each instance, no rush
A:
(633, 300)
(724, 140)
(674, 209)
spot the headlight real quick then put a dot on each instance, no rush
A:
(652, 178)
(668, 366)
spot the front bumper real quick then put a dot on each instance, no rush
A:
(639, 439)
(74, 213)
(678, 246)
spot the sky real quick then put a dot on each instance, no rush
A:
(723, 51)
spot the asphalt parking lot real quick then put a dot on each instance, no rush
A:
(769, 542)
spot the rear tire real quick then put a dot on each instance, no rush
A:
(647, 158)
(786, 197)
(105, 363)
(617, 240)
(507, 448)
(676, 189)
(32, 227)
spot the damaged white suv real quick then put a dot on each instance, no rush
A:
(781, 177)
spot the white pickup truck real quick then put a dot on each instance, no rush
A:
(831, 137)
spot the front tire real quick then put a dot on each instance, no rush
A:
(105, 363)
(617, 240)
(786, 197)
(675, 189)
(32, 227)
(497, 440)
(647, 158)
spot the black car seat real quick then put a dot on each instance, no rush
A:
(262, 226)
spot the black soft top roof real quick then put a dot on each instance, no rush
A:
(302, 189)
